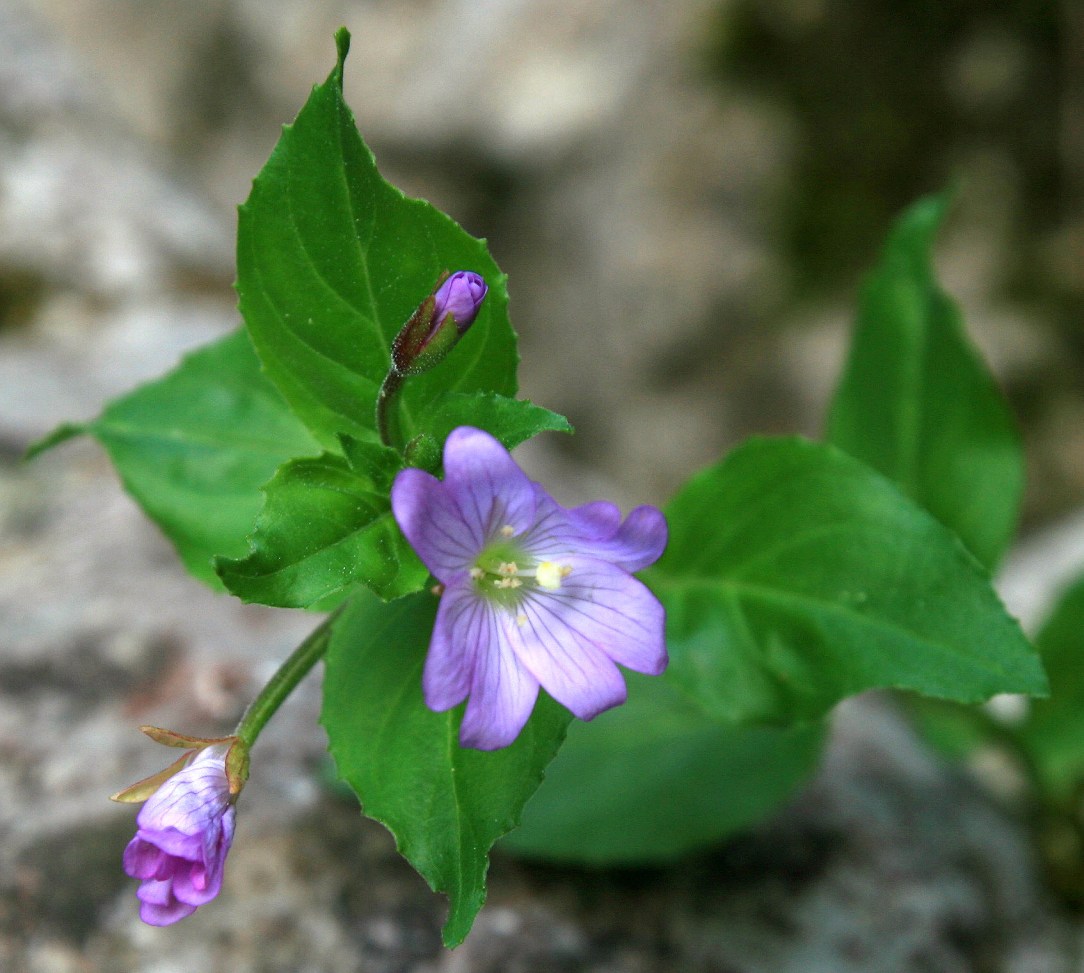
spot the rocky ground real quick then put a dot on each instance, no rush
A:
(630, 196)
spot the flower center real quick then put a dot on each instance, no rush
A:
(503, 567)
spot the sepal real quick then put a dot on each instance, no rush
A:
(236, 764)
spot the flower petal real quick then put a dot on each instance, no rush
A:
(431, 520)
(595, 530)
(173, 843)
(490, 489)
(463, 621)
(599, 518)
(156, 891)
(164, 915)
(610, 609)
(638, 542)
(573, 635)
(187, 803)
(502, 692)
(143, 859)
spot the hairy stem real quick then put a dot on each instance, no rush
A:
(285, 679)
(387, 415)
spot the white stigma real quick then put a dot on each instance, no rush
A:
(549, 574)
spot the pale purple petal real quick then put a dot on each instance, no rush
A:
(189, 800)
(431, 520)
(638, 542)
(164, 915)
(599, 518)
(596, 530)
(502, 694)
(490, 489)
(174, 843)
(462, 623)
(603, 606)
(547, 639)
(156, 892)
(144, 860)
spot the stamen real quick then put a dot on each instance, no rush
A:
(506, 582)
(437, 589)
(508, 568)
(549, 575)
(521, 619)
(507, 530)
(477, 573)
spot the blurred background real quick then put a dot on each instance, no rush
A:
(685, 195)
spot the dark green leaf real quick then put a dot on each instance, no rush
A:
(445, 806)
(656, 778)
(512, 421)
(796, 576)
(917, 403)
(1054, 732)
(325, 528)
(332, 260)
(195, 447)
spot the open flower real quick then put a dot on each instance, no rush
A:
(533, 594)
(185, 832)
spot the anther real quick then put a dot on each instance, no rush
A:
(507, 530)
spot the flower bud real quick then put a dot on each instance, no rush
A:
(461, 296)
(186, 826)
(440, 321)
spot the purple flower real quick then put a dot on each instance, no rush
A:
(185, 832)
(534, 594)
(461, 296)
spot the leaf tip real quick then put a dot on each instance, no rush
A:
(342, 47)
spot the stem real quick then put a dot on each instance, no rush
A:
(283, 682)
(387, 416)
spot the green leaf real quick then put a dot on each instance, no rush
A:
(1054, 733)
(512, 421)
(195, 447)
(332, 260)
(446, 806)
(325, 528)
(917, 403)
(656, 778)
(818, 579)
(327, 524)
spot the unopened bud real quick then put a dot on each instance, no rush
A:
(440, 321)
(461, 296)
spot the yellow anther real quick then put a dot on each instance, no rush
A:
(566, 570)
(521, 619)
(507, 530)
